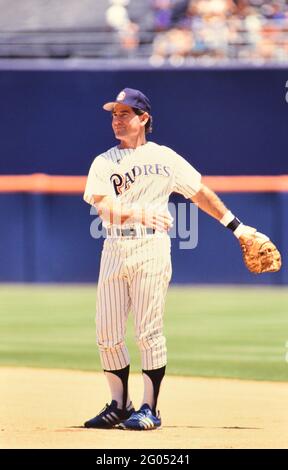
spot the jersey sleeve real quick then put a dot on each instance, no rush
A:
(187, 180)
(98, 182)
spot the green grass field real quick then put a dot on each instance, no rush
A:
(211, 331)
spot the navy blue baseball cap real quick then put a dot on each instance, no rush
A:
(132, 98)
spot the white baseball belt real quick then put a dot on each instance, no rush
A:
(135, 231)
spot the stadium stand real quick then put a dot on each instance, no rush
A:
(156, 30)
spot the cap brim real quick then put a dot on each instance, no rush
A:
(109, 106)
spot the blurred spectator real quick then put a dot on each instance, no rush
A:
(175, 44)
(162, 10)
(226, 29)
(117, 18)
(117, 15)
(179, 11)
(129, 37)
(210, 28)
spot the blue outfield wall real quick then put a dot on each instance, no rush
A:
(46, 238)
(224, 121)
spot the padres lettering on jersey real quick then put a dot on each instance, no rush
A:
(146, 175)
(122, 182)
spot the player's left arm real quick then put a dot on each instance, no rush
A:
(259, 253)
(209, 202)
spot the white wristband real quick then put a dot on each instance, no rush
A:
(227, 218)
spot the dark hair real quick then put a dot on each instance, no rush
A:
(148, 125)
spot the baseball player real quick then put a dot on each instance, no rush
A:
(130, 185)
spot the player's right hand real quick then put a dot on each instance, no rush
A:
(162, 222)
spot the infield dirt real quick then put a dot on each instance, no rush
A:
(46, 409)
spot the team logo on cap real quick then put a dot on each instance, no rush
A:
(121, 96)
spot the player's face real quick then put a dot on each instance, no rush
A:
(125, 122)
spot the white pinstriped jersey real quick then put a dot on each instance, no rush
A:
(135, 273)
(145, 176)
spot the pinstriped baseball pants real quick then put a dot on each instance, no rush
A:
(134, 275)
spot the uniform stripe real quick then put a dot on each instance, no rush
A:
(103, 313)
(146, 307)
(111, 308)
(105, 317)
(120, 317)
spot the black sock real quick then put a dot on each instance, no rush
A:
(156, 377)
(123, 375)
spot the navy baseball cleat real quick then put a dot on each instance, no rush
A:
(142, 420)
(110, 416)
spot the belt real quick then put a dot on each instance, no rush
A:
(133, 232)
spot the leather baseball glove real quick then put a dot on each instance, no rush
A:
(260, 255)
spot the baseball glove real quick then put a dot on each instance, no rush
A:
(260, 255)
